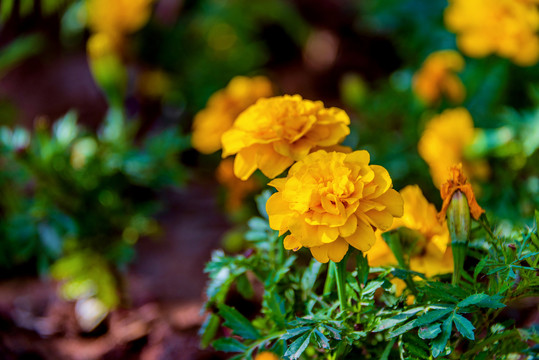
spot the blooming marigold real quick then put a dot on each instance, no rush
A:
(443, 142)
(504, 27)
(275, 132)
(222, 109)
(332, 200)
(431, 254)
(437, 77)
(237, 189)
(457, 181)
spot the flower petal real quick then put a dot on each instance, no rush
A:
(291, 243)
(363, 239)
(393, 202)
(320, 253)
(381, 219)
(349, 228)
(337, 250)
(245, 163)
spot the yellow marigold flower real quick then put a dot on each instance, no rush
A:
(443, 142)
(275, 132)
(224, 107)
(507, 28)
(118, 17)
(457, 181)
(331, 200)
(237, 189)
(437, 77)
(431, 254)
(266, 355)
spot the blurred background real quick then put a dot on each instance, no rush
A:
(110, 204)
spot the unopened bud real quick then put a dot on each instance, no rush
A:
(458, 218)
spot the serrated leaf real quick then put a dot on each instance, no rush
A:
(480, 267)
(482, 300)
(438, 344)
(290, 333)
(429, 332)
(322, 340)
(297, 348)
(401, 330)
(228, 345)
(362, 268)
(208, 330)
(238, 323)
(464, 326)
(371, 287)
(432, 316)
(334, 332)
(276, 306)
(397, 319)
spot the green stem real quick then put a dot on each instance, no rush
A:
(330, 279)
(341, 281)
(459, 254)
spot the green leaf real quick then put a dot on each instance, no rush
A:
(290, 333)
(276, 306)
(238, 323)
(404, 328)
(297, 348)
(322, 340)
(397, 319)
(464, 326)
(438, 344)
(480, 267)
(371, 287)
(362, 268)
(432, 316)
(229, 345)
(208, 330)
(244, 286)
(482, 300)
(309, 276)
(429, 332)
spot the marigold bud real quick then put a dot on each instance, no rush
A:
(458, 217)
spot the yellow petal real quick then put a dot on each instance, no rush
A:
(270, 162)
(393, 202)
(291, 243)
(349, 227)
(381, 219)
(278, 211)
(337, 250)
(245, 163)
(320, 253)
(363, 239)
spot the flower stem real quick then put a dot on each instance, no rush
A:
(330, 279)
(340, 272)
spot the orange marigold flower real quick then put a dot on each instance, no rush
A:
(437, 77)
(428, 242)
(275, 132)
(223, 108)
(332, 200)
(443, 142)
(266, 355)
(457, 181)
(237, 189)
(507, 28)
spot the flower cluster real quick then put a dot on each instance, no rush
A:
(444, 140)
(331, 200)
(428, 243)
(507, 28)
(275, 132)
(222, 109)
(437, 77)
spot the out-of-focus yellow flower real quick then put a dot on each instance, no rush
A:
(275, 132)
(153, 83)
(431, 253)
(266, 355)
(118, 17)
(332, 200)
(437, 77)
(444, 140)
(237, 189)
(507, 28)
(457, 181)
(223, 108)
